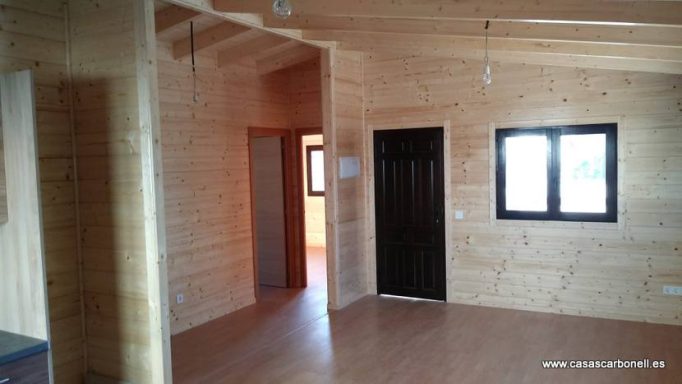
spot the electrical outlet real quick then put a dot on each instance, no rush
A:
(459, 214)
(672, 290)
(180, 298)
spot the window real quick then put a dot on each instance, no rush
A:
(315, 171)
(564, 173)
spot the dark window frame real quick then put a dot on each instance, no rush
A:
(309, 149)
(553, 134)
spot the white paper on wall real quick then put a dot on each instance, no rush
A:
(349, 166)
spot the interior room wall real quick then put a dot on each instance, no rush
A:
(314, 205)
(34, 38)
(346, 209)
(206, 172)
(305, 99)
(611, 271)
(116, 127)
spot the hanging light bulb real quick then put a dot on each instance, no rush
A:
(281, 8)
(487, 77)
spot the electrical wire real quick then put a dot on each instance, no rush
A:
(195, 95)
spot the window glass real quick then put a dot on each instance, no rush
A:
(583, 173)
(317, 170)
(526, 173)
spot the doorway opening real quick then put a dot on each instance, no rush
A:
(272, 207)
(288, 216)
(310, 152)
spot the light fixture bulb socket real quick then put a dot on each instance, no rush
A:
(281, 8)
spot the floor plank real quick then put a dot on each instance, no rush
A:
(383, 339)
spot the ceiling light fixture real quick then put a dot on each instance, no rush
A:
(281, 8)
(487, 77)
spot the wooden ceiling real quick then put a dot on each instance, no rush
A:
(611, 34)
(231, 42)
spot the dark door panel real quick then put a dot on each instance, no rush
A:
(409, 199)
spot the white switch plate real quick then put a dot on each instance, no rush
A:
(672, 290)
(459, 214)
(349, 166)
(180, 298)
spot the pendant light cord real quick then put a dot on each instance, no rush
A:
(487, 24)
(195, 97)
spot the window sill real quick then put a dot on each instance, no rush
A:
(558, 224)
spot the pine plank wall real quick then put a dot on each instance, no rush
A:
(611, 271)
(603, 271)
(347, 208)
(33, 35)
(206, 172)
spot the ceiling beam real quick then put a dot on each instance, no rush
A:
(644, 35)
(207, 38)
(250, 48)
(250, 20)
(172, 16)
(431, 42)
(580, 11)
(290, 57)
(589, 55)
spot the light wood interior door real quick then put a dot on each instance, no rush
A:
(22, 284)
(268, 184)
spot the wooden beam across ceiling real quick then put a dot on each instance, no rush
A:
(172, 16)
(250, 20)
(621, 34)
(560, 53)
(576, 11)
(286, 58)
(249, 48)
(207, 38)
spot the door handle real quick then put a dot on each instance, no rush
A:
(439, 214)
(5, 380)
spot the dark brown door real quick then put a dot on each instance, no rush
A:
(409, 198)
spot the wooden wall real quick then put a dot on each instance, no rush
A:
(113, 78)
(305, 111)
(343, 125)
(314, 205)
(305, 99)
(33, 36)
(206, 170)
(611, 271)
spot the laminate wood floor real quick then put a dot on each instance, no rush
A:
(391, 340)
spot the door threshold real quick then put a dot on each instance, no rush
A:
(411, 298)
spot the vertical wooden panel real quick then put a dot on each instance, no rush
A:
(614, 271)
(35, 37)
(23, 288)
(113, 77)
(343, 124)
(305, 112)
(154, 197)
